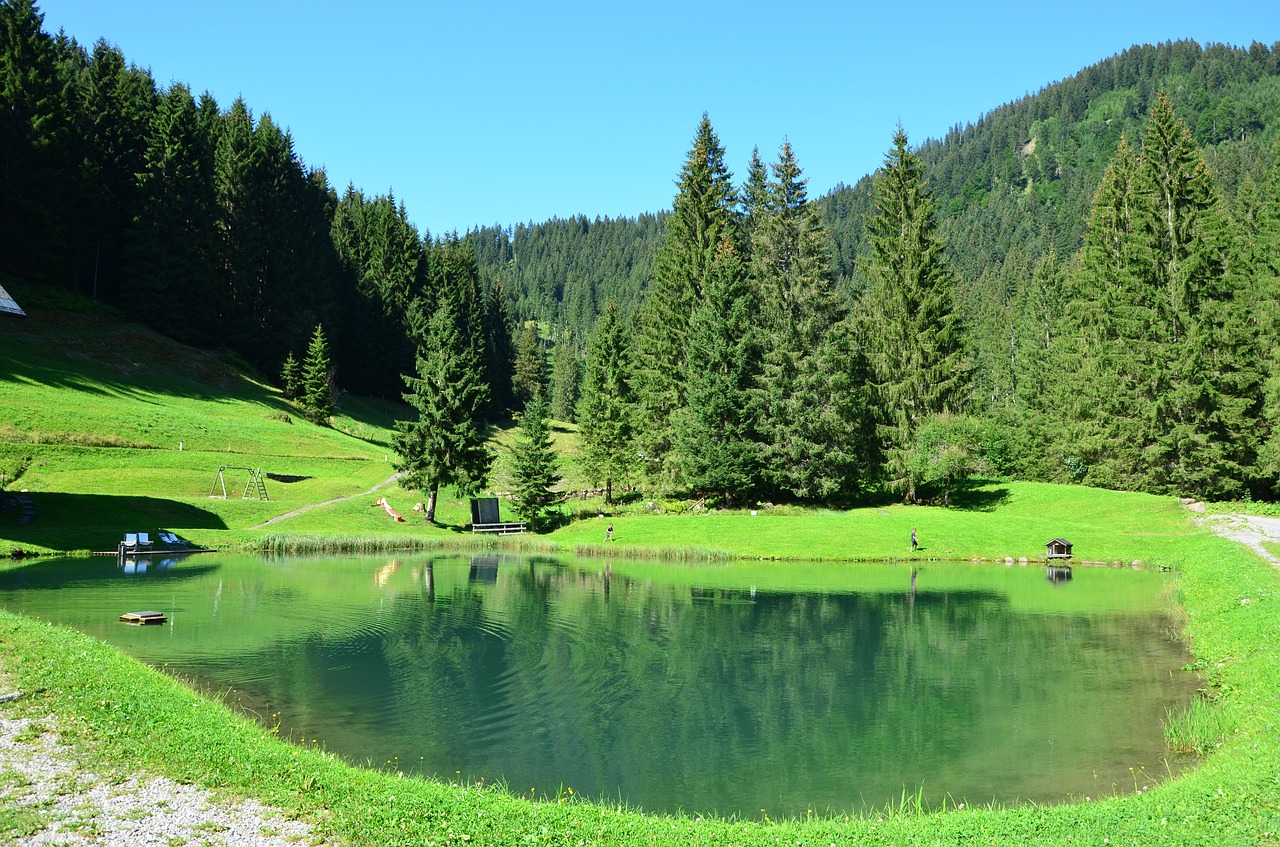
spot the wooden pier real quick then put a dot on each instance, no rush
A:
(143, 618)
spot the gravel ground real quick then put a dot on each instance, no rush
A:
(43, 787)
(1250, 531)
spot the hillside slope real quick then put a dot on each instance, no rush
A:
(111, 427)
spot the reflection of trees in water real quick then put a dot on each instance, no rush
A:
(698, 697)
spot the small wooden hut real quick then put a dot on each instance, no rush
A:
(1058, 548)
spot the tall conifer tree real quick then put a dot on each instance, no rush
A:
(607, 408)
(916, 353)
(446, 444)
(807, 440)
(534, 465)
(1171, 403)
(716, 441)
(701, 217)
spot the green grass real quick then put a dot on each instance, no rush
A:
(119, 710)
(95, 410)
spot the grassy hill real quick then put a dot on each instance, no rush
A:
(95, 407)
(111, 427)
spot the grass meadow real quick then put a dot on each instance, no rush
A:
(94, 415)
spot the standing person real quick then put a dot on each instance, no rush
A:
(608, 533)
(914, 543)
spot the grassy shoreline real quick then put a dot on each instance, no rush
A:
(120, 710)
(89, 466)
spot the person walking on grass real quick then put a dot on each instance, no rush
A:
(914, 543)
(608, 533)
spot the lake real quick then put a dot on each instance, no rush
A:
(741, 688)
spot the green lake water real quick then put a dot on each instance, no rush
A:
(729, 688)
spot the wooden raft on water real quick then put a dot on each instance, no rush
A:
(143, 618)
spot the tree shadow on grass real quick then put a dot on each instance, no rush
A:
(981, 496)
(60, 521)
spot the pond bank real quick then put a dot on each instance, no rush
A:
(120, 710)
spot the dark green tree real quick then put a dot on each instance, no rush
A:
(499, 352)
(317, 379)
(1166, 339)
(534, 464)
(716, 443)
(806, 443)
(754, 199)
(566, 377)
(607, 408)
(170, 257)
(916, 346)
(38, 168)
(291, 377)
(446, 444)
(1208, 444)
(702, 216)
(531, 364)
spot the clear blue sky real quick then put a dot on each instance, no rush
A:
(499, 112)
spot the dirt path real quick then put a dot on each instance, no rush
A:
(1251, 531)
(308, 508)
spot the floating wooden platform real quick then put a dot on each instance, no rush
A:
(155, 551)
(509, 528)
(143, 618)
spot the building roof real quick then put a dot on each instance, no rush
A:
(9, 305)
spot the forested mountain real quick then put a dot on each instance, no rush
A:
(1082, 285)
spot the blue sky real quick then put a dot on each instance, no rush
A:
(498, 112)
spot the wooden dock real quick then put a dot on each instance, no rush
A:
(509, 528)
(153, 551)
(143, 618)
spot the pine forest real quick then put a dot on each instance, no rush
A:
(1080, 286)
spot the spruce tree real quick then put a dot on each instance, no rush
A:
(1208, 444)
(38, 168)
(716, 442)
(806, 439)
(754, 199)
(499, 352)
(531, 365)
(566, 377)
(916, 341)
(607, 409)
(446, 444)
(169, 260)
(1170, 400)
(702, 216)
(1262, 233)
(534, 464)
(291, 377)
(317, 379)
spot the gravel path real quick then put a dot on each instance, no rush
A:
(55, 800)
(297, 512)
(1250, 531)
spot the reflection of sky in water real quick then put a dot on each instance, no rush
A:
(726, 688)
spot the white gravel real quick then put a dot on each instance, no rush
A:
(1253, 532)
(79, 807)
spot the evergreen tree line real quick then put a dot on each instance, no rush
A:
(1081, 286)
(1147, 361)
(204, 222)
(747, 375)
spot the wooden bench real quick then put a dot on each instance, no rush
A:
(499, 528)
